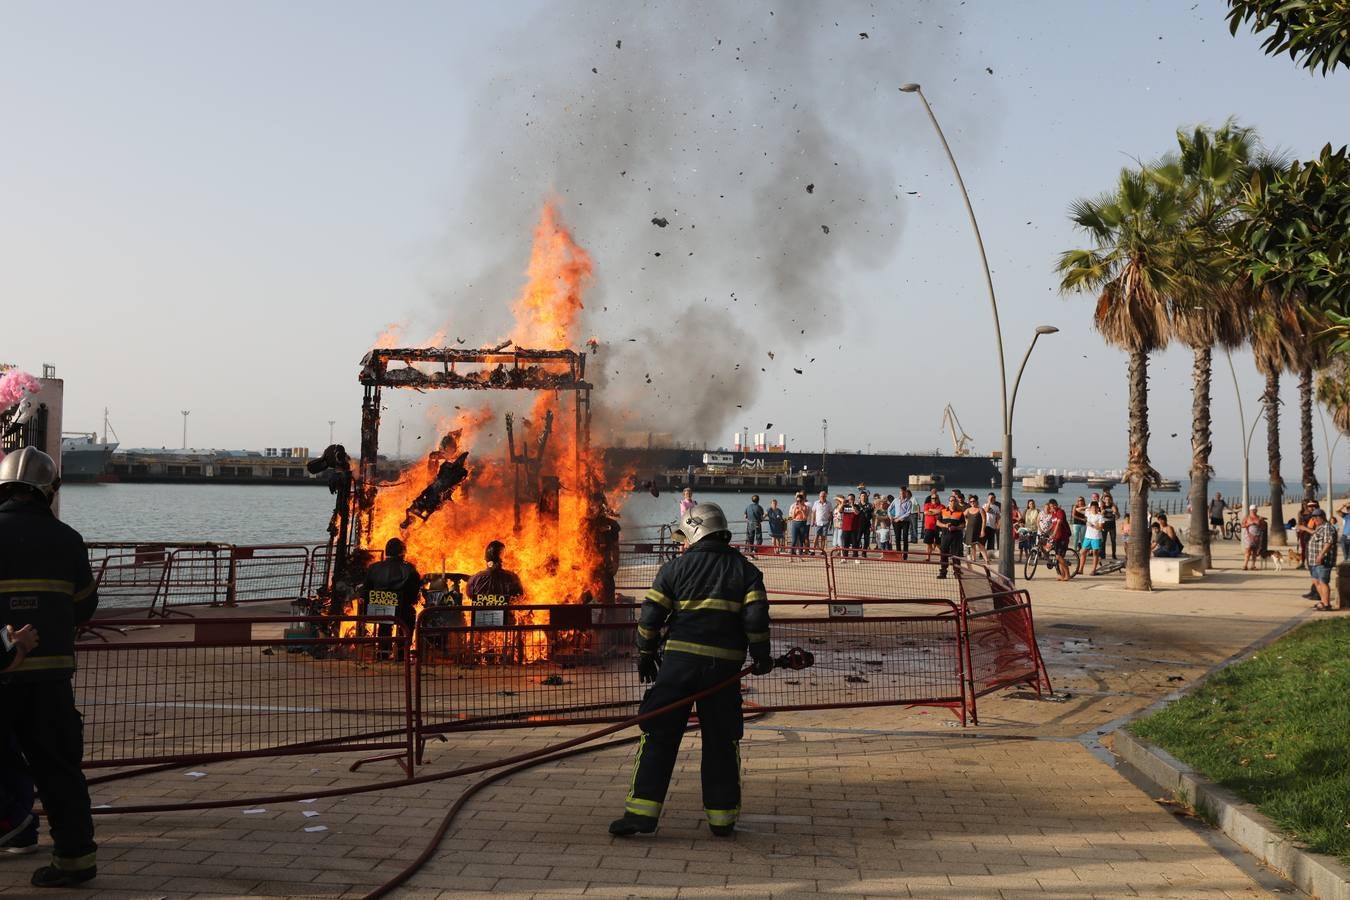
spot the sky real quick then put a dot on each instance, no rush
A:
(218, 207)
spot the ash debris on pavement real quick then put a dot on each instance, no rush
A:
(753, 127)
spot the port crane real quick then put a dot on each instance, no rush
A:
(960, 440)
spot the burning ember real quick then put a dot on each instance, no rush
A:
(537, 495)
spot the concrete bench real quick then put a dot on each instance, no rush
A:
(1175, 570)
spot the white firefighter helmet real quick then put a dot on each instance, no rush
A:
(31, 467)
(704, 519)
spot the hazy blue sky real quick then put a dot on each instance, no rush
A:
(217, 207)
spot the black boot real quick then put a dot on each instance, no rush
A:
(722, 830)
(50, 876)
(630, 825)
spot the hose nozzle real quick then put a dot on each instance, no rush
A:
(796, 658)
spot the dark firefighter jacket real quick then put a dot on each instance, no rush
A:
(391, 589)
(714, 602)
(495, 587)
(45, 582)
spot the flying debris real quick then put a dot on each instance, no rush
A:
(618, 45)
(811, 188)
(862, 35)
(770, 354)
(989, 70)
(798, 371)
(660, 222)
(825, 228)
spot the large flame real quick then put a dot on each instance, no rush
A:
(556, 558)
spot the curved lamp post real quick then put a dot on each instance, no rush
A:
(1005, 557)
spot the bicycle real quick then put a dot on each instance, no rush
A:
(1231, 528)
(1041, 552)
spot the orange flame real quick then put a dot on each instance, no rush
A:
(559, 271)
(555, 555)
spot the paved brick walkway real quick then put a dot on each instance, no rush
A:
(880, 802)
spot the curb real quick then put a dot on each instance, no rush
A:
(1322, 877)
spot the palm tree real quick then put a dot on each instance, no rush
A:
(1276, 336)
(1333, 391)
(1311, 354)
(1138, 234)
(1209, 172)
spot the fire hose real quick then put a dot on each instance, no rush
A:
(795, 659)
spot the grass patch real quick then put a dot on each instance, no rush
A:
(1275, 730)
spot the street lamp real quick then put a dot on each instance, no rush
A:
(186, 413)
(331, 423)
(1005, 561)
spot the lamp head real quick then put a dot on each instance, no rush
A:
(909, 88)
(1046, 329)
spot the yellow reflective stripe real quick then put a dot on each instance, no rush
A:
(646, 632)
(40, 585)
(74, 863)
(658, 598)
(722, 816)
(757, 637)
(730, 606)
(85, 591)
(639, 807)
(706, 650)
(756, 596)
(38, 663)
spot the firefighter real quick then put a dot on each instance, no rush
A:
(496, 585)
(391, 590)
(45, 582)
(712, 600)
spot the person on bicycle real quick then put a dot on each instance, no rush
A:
(1058, 533)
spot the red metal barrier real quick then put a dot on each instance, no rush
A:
(888, 632)
(241, 687)
(269, 572)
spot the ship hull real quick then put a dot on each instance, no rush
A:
(645, 464)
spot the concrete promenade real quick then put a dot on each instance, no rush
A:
(872, 802)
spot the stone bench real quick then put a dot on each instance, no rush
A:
(1175, 570)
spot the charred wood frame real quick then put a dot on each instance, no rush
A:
(487, 369)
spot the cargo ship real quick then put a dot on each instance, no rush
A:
(274, 465)
(84, 457)
(656, 465)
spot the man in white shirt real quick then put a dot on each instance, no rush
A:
(1092, 537)
(821, 515)
(993, 511)
(901, 512)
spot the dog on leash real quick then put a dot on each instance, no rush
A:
(1277, 557)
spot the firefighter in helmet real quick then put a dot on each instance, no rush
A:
(498, 586)
(45, 583)
(391, 590)
(712, 601)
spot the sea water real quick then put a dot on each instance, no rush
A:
(284, 514)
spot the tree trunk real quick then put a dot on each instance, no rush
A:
(1201, 373)
(1305, 432)
(1138, 474)
(1271, 399)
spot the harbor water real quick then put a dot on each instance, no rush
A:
(283, 514)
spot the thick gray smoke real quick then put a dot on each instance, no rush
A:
(758, 136)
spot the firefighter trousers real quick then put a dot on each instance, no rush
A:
(719, 715)
(48, 729)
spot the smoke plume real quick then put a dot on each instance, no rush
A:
(728, 166)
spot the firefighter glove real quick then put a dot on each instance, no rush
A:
(763, 664)
(649, 664)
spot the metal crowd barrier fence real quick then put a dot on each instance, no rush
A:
(242, 687)
(885, 632)
(162, 578)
